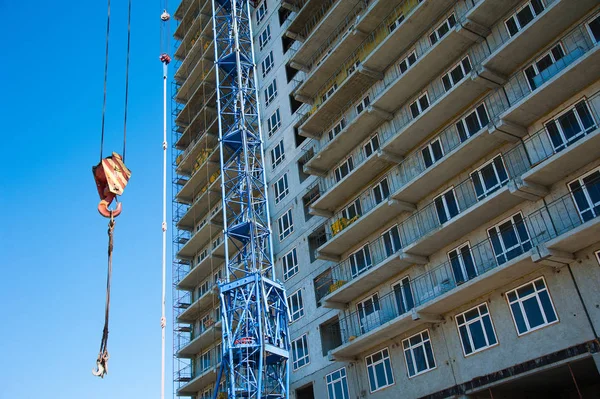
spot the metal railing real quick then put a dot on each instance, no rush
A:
(201, 365)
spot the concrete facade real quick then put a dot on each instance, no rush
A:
(510, 125)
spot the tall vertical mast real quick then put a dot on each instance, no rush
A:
(255, 315)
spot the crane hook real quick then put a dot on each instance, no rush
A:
(111, 176)
(101, 365)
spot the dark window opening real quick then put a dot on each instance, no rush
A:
(308, 199)
(290, 73)
(294, 104)
(331, 336)
(321, 284)
(315, 240)
(286, 42)
(284, 13)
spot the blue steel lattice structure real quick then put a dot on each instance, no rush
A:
(256, 343)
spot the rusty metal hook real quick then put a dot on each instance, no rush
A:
(107, 213)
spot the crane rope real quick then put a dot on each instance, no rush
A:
(111, 177)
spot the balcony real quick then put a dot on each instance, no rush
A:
(554, 157)
(433, 227)
(202, 52)
(208, 336)
(209, 228)
(425, 298)
(510, 52)
(206, 165)
(188, 17)
(308, 14)
(408, 131)
(201, 24)
(205, 121)
(203, 101)
(187, 161)
(487, 12)
(214, 258)
(181, 9)
(206, 301)
(202, 200)
(195, 377)
(334, 193)
(202, 77)
(579, 68)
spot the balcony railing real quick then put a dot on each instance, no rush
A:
(316, 18)
(207, 361)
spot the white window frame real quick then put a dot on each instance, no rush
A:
(419, 106)
(277, 159)
(555, 119)
(429, 149)
(460, 65)
(463, 121)
(336, 129)
(281, 188)
(479, 319)
(405, 281)
(396, 23)
(372, 145)
(461, 261)
(365, 324)
(285, 231)
(583, 187)
(297, 297)
(267, 64)
(371, 365)
(363, 104)
(513, 224)
(290, 264)
(264, 37)
(367, 264)
(270, 92)
(407, 62)
(261, 11)
(301, 342)
(356, 206)
(477, 172)
(536, 295)
(517, 23)
(597, 253)
(329, 92)
(393, 244)
(204, 357)
(353, 67)
(273, 122)
(587, 25)
(436, 33)
(338, 172)
(379, 190)
(538, 59)
(442, 196)
(411, 348)
(339, 379)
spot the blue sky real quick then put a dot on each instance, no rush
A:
(53, 240)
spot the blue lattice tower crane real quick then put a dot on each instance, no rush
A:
(256, 344)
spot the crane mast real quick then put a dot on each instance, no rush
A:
(256, 343)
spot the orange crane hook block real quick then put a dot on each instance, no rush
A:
(111, 177)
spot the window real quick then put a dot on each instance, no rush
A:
(598, 256)
(270, 92)
(432, 153)
(371, 146)
(261, 11)
(264, 37)
(472, 123)
(391, 241)
(300, 355)
(418, 354)
(381, 191)
(204, 363)
(360, 261)
(352, 210)
(456, 73)
(267, 64)
(337, 128)
(379, 369)
(446, 206)
(441, 30)
(523, 16)
(281, 188)
(345, 167)
(407, 62)
(489, 177)
(403, 295)
(296, 305)
(594, 29)
(476, 329)
(216, 243)
(363, 104)
(461, 261)
(509, 238)
(329, 92)
(274, 122)
(202, 289)
(337, 385)
(396, 23)
(353, 67)
(290, 264)
(277, 154)
(207, 394)
(420, 105)
(586, 194)
(532, 72)
(531, 306)
(286, 225)
(570, 126)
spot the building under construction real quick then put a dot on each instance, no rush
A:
(434, 190)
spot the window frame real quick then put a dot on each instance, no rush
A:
(342, 379)
(341, 124)
(284, 231)
(368, 264)
(266, 68)
(372, 144)
(338, 173)
(498, 231)
(519, 300)
(447, 212)
(378, 190)
(459, 65)
(463, 266)
(501, 183)
(411, 347)
(264, 37)
(517, 23)
(294, 347)
(584, 188)
(429, 148)
(300, 301)
(285, 262)
(261, 11)
(274, 122)
(401, 284)
(435, 31)
(406, 61)
(277, 160)
(589, 30)
(281, 193)
(566, 142)
(479, 319)
(465, 127)
(372, 366)
(363, 104)
(271, 92)
(417, 102)
(534, 63)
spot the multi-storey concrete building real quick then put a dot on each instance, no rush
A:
(434, 171)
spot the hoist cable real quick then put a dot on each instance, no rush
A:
(105, 79)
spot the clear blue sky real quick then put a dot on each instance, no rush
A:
(53, 241)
